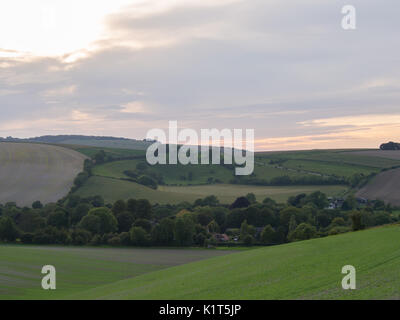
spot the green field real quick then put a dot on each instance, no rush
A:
(172, 174)
(114, 189)
(113, 152)
(79, 269)
(300, 270)
(344, 163)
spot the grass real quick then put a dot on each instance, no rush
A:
(329, 168)
(172, 174)
(113, 152)
(114, 189)
(301, 270)
(79, 269)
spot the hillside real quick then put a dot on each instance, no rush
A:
(30, 172)
(93, 141)
(385, 186)
(300, 270)
(114, 189)
(79, 269)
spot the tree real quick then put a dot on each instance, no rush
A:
(81, 179)
(131, 206)
(143, 209)
(248, 240)
(100, 220)
(37, 205)
(251, 197)
(80, 237)
(268, 235)
(204, 215)
(125, 221)
(163, 233)
(184, 231)
(296, 200)
(303, 231)
(213, 227)
(292, 223)
(139, 236)
(58, 219)
(241, 202)
(379, 205)
(350, 203)
(318, 198)
(100, 157)
(144, 223)
(30, 221)
(8, 229)
(79, 212)
(118, 207)
(246, 229)
(356, 221)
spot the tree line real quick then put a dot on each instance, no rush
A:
(205, 222)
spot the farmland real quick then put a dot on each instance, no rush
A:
(115, 189)
(190, 182)
(79, 269)
(300, 270)
(30, 172)
(385, 186)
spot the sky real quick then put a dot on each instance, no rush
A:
(285, 68)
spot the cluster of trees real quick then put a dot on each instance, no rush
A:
(286, 180)
(89, 221)
(390, 146)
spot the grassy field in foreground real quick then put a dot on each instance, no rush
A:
(301, 270)
(114, 189)
(79, 269)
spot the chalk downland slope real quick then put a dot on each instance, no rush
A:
(30, 172)
(385, 186)
(300, 270)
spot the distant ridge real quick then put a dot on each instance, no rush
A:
(93, 141)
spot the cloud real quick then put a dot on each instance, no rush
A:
(287, 70)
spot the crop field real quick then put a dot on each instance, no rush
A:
(343, 163)
(80, 269)
(299, 270)
(115, 189)
(385, 186)
(228, 193)
(30, 172)
(117, 143)
(112, 152)
(172, 174)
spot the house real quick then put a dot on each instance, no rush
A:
(221, 237)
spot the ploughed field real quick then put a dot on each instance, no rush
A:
(385, 186)
(30, 172)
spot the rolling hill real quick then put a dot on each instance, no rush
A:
(112, 189)
(79, 269)
(300, 270)
(30, 172)
(385, 186)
